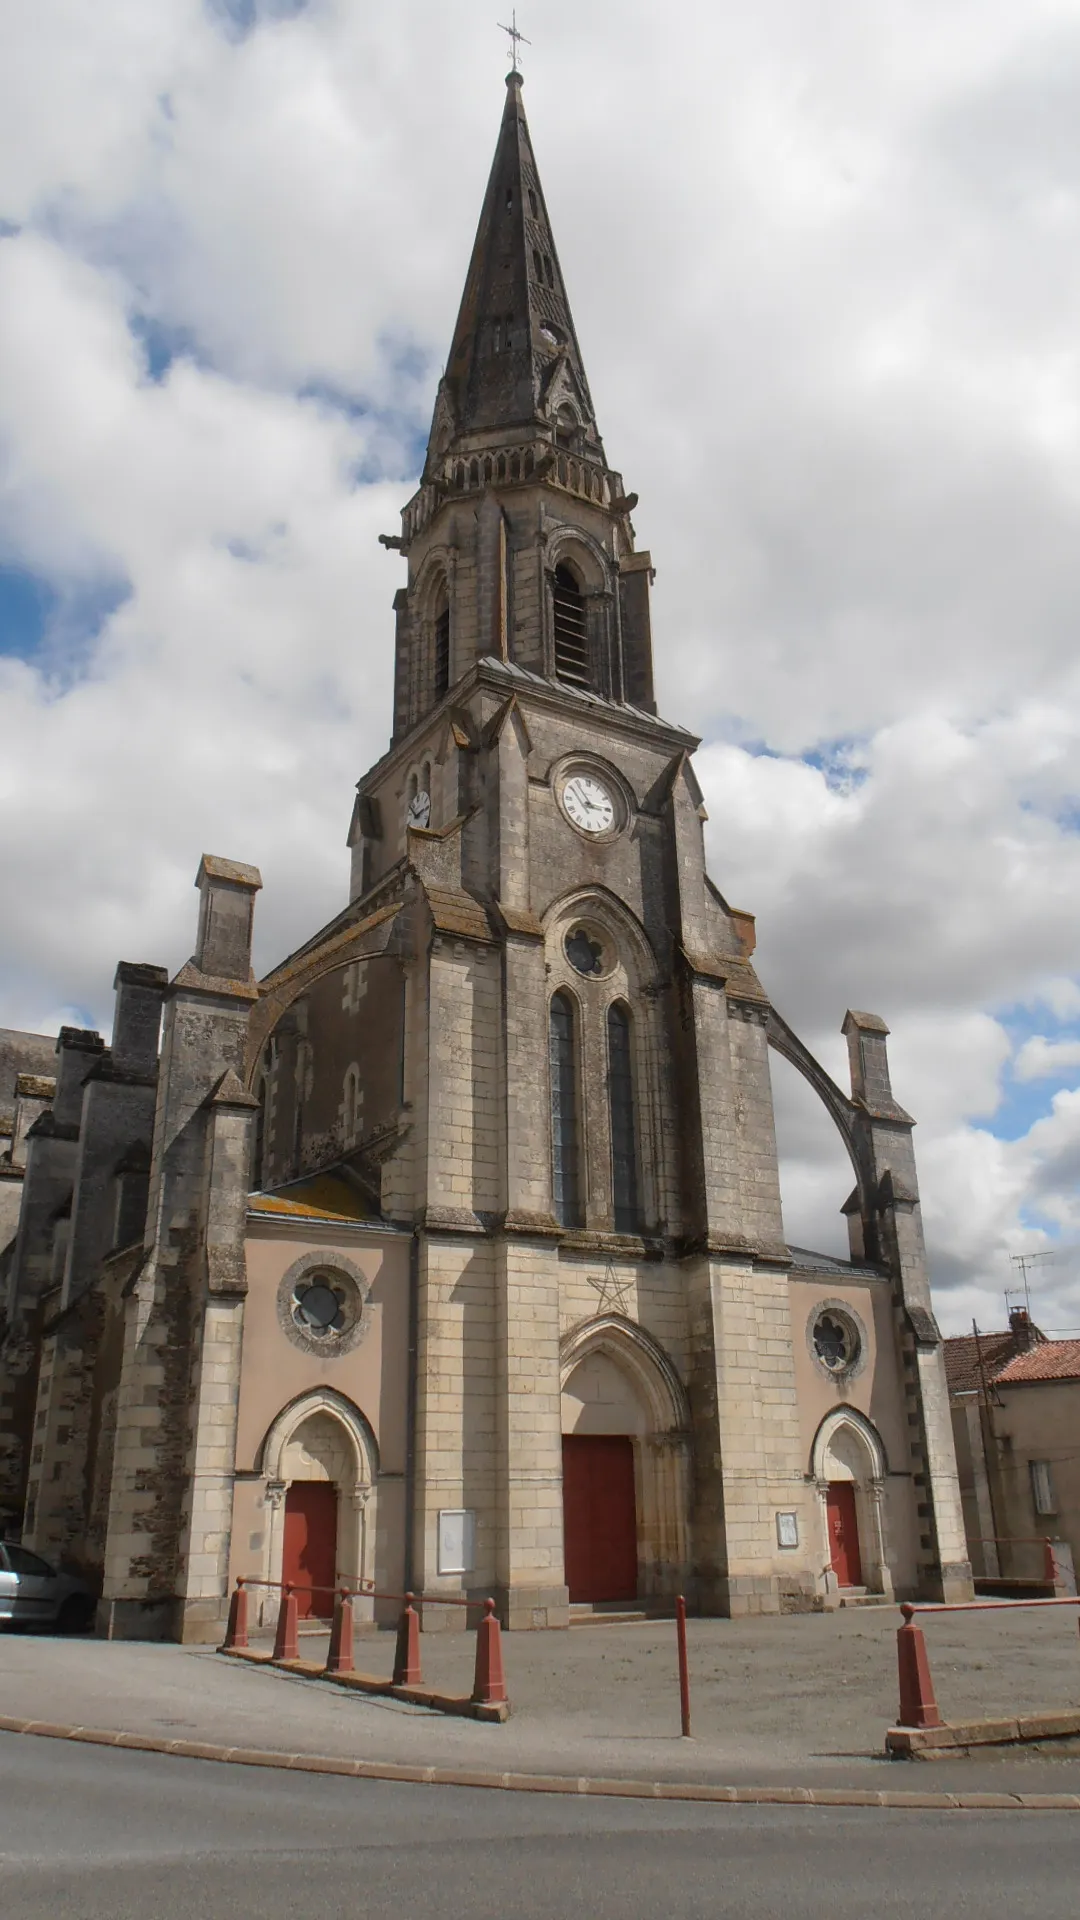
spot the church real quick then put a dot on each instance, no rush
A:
(449, 1256)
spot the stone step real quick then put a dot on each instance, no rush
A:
(612, 1614)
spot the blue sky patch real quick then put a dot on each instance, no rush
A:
(26, 603)
(161, 345)
(39, 616)
(238, 18)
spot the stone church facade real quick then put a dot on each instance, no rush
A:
(450, 1254)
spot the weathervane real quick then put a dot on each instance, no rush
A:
(516, 39)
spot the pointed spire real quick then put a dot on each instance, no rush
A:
(515, 359)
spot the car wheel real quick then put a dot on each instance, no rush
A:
(76, 1614)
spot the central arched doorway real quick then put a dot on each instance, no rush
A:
(625, 1445)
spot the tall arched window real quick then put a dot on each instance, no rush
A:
(624, 1181)
(350, 1106)
(565, 1141)
(571, 642)
(442, 651)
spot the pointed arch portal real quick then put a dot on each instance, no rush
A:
(626, 1427)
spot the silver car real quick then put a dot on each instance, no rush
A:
(33, 1593)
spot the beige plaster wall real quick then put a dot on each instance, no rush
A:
(875, 1391)
(1042, 1420)
(373, 1376)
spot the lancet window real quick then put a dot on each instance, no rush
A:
(565, 1130)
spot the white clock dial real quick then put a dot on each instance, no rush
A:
(589, 804)
(419, 810)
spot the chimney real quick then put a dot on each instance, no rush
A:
(1021, 1328)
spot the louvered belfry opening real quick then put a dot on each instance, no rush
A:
(571, 639)
(442, 653)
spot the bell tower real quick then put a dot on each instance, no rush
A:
(519, 539)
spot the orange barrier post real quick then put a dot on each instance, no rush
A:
(407, 1656)
(236, 1631)
(489, 1681)
(286, 1641)
(684, 1665)
(340, 1657)
(918, 1707)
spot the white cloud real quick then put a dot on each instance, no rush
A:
(1043, 1059)
(825, 275)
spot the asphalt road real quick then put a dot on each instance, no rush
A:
(91, 1834)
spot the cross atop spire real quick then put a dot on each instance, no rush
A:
(516, 39)
(515, 366)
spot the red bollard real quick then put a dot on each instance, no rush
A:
(489, 1682)
(236, 1631)
(918, 1707)
(286, 1642)
(407, 1657)
(340, 1657)
(684, 1666)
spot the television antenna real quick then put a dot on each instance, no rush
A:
(1022, 1261)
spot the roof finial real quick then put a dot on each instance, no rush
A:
(516, 39)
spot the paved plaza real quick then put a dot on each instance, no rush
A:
(803, 1699)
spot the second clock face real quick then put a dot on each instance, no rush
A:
(588, 803)
(419, 810)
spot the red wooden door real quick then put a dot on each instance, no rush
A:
(600, 1517)
(309, 1557)
(844, 1533)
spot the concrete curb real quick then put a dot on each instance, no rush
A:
(553, 1782)
(419, 1696)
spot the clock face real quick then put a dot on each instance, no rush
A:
(419, 810)
(588, 803)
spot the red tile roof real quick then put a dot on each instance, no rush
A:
(962, 1357)
(1053, 1360)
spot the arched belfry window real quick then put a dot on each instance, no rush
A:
(624, 1180)
(565, 1135)
(571, 639)
(442, 650)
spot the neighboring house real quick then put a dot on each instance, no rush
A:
(1015, 1400)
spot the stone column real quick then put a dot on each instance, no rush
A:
(530, 1582)
(183, 1313)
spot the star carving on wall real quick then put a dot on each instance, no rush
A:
(613, 1295)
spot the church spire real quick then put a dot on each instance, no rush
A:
(515, 362)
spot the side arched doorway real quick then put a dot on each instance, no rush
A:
(849, 1468)
(625, 1431)
(320, 1464)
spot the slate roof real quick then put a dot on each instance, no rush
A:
(1050, 1360)
(803, 1260)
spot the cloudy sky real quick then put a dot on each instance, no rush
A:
(824, 257)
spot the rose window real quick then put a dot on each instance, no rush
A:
(836, 1341)
(584, 954)
(320, 1306)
